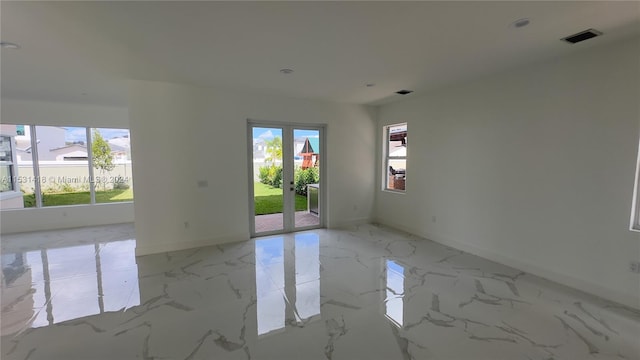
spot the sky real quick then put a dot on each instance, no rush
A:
(79, 133)
(270, 133)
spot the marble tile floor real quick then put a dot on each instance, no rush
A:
(363, 293)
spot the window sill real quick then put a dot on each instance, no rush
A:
(69, 206)
(393, 191)
(6, 195)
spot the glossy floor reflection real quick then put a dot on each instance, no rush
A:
(364, 293)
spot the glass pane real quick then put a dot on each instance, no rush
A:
(16, 146)
(306, 152)
(63, 165)
(25, 180)
(267, 177)
(5, 149)
(111, 151)
(397, 174)
(397, 140)
(6, 165)
(6, 183)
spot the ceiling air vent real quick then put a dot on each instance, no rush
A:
(582, 36)
(404, 92)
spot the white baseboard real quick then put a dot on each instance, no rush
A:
(347, 223)
(626, 299)
(184, 245)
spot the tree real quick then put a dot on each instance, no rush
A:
(101, 155)
(274, 149)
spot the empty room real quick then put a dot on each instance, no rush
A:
(377, 180)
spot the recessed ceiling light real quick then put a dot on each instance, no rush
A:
(520, 23)
(370, 85)
(9, 45)
(286, 71)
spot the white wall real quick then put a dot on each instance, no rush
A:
(14, 111)
(63, 217)
(533, 168)
(62, 114)
(182, 134)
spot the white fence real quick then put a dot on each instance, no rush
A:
(67, 175)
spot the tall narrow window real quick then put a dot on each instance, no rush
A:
(10, 195)
(7, 167)
(26, 177)
(63, 165)
(395, 157)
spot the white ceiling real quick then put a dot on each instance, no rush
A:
(335, 48)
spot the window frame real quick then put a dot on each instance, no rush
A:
(635, 207)
(388, 157)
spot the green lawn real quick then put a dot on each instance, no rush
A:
(268, 200)
(77, 198)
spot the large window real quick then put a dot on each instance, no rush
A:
(58, 166)
(395, 157)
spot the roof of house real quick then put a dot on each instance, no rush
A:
(114, 147)
(311, 145)
(68, 146)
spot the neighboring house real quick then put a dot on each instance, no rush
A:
(259, 148)
(120, 148)
(10, 195)
(52, 146)
(71, 152)
(49, 137)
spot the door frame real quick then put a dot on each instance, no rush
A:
(288, 215)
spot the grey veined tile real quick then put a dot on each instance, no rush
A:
(368, 292)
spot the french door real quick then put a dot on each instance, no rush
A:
(286, 165)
